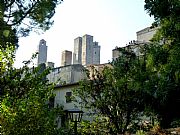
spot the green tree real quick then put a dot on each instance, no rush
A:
(163, 84)
(116, 93)
(99, 126)
(18, 18)
(25, 15)
(163, 60)
(24, 92)
(24, 106)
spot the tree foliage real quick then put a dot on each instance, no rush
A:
(24, 92)
(24, 106)
(25, 15)
(99, 126)
(19, 17)
(163, 60)
(117, 93)
(148, 83)
(161, 9)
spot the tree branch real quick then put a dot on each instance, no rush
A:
(9, 16)
(28, 12)
(10, 4)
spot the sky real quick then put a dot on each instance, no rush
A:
(111, 22)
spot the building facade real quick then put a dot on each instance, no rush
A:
(64, 92)
(66, 58)
(77, 54)
(86, 51)
(115, 53)
(96, 53)
(63, 98)
(134, 46)
(145, 35)
(42, 52)
(67, 74)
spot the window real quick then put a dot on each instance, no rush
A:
(51, 102)
(68, 97)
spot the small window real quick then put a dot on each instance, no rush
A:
(51, 102)
(95, 52)
(68, 97)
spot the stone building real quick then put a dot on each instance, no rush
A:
(77, 54)
(133, 46)
(115, 53)
(71, 75)
(66, 74)
(66, 58)
(42, 52)
(143, 38)
(96, 53)
(86, 51)
(145, 35)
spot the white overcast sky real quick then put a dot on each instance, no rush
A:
(111, 22)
